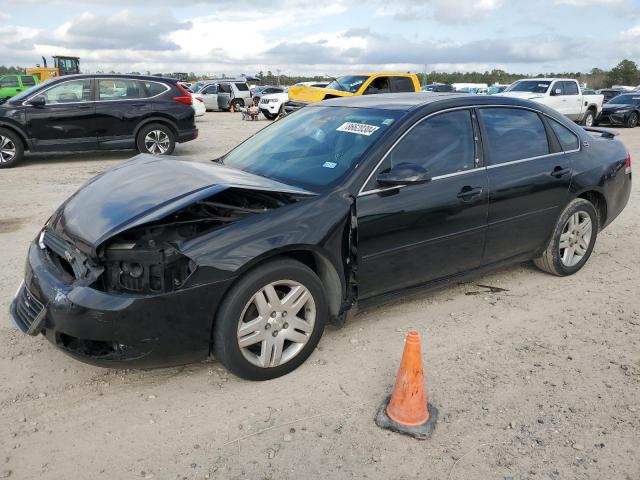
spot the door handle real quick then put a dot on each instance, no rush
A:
(83, 107)
(468, 193)
(559, 172)
(138, 104)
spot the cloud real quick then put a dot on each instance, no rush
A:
(122, 30)
(445, 11)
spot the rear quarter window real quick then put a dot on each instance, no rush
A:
(243, 87)
(513, 134)
(153, 88)
(568, 140)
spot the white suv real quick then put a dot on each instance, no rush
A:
(271, 105)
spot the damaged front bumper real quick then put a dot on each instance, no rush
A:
(115, 329)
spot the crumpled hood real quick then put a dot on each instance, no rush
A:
(145, 189)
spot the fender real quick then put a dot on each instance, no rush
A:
(17, 128)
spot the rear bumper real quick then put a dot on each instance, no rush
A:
(115, 330)
(187, 135)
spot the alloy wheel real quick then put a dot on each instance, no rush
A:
(589, 120)
(8, 149)
(276, 323)
(157, 142)
(575, 238)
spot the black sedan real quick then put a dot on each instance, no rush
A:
(346, 203)
(622, 110)
(97, 112)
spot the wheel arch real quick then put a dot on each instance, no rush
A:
(21, 135)
(599, 201)
(156, 119)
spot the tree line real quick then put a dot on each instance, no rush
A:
(624, 73)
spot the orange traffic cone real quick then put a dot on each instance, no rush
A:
(407, 409)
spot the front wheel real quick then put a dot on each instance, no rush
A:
(572, 240)
(632, 121)
(270, 116)
(270, 321)
(156, 139)
(11, 149)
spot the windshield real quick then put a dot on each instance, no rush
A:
(348, 83)
(313, 148)
(532, 86)
(196, 87)
(626, 99)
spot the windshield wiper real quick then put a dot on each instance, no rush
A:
(337, 81)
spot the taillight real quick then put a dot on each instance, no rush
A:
(199, 99)
(627, 166)
(186, 98)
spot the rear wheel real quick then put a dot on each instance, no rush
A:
(270, 321)
(156, 139)
(572, 241)
(589, 119)
(632, 121)
(236, 104)
(11, 149)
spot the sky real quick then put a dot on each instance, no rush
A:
(322, 37)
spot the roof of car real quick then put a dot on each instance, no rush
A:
(114, 75)
(411, 101)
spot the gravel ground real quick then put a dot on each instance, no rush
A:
(540, 381)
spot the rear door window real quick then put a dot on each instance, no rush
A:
(441, 144)
(513, 134)
(568, 140)
(118, 89)
(402, 84)
(28, 81)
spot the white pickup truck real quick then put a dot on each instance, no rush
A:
(561, 94)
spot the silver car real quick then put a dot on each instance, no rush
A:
(225, 95)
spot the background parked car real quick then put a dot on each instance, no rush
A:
(272, 105)
(562, 94)
(474, 88)
(11, 85)
(437, 87)
(495, 89)
(622, 110)
(609, 93)
(351, 86)
(92, 112)
(259, 91)
(225, 95)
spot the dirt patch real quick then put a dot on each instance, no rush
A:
(8, 225)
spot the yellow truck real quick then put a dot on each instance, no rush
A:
(350, 86)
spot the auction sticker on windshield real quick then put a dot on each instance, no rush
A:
(359, 128)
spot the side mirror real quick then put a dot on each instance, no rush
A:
(556, 91)
(38, 101)
(404, 174)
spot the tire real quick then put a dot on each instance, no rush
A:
(11, 149)
(632, 121)
(588, 119)
(559, 261)
(270, 116)
(236, 104)
(252, 362)
(156, 139)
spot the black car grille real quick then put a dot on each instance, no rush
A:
(29, 312)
